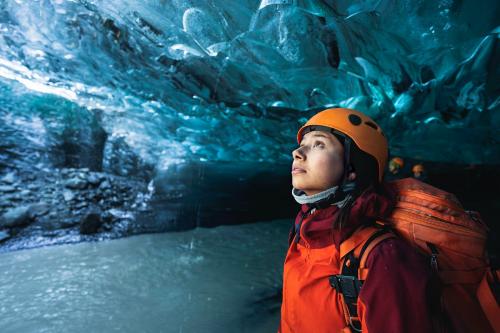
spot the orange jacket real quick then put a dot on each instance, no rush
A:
(393, 297)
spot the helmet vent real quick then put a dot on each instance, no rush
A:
(354, 119)
(372, 125)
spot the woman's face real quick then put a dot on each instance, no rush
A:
(318, 164)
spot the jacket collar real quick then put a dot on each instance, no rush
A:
(317, 228)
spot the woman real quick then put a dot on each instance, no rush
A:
(337, 177)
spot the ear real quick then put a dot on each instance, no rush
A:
(351, 176)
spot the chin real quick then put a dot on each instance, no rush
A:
(299, 187)
(296, 185)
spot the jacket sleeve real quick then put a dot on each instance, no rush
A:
(396, 295)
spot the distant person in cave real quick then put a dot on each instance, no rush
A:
(337, 175)
(419, 172)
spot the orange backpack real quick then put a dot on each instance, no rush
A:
(435, 223)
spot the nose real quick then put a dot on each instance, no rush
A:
(298, 154)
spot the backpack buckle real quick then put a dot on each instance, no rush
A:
(349, 286)
(434, 256)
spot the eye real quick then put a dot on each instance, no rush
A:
(319, 144)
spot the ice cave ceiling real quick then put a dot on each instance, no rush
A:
(172, 81)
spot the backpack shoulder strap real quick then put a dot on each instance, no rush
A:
(353, 273)
(368, 246)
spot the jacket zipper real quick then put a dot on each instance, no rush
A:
(298, 226)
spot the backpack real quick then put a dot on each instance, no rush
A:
(434, 222)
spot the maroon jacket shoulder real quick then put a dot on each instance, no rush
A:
(397, 293)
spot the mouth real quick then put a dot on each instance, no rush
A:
(296, 170)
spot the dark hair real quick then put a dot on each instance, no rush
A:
(343, 215)
(366, 168)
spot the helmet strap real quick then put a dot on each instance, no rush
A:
(346, 187)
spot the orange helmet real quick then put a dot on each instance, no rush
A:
(399, 161)
(418, 168)
(356, 126)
